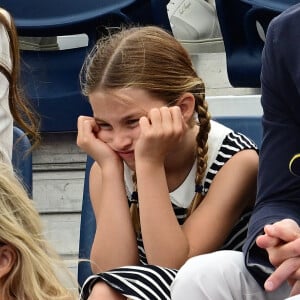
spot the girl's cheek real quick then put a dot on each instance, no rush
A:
(104, 136)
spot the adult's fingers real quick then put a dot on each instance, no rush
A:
(283, 252)
(295, 289)
(286, 230)
(282, 273)
(265, 241)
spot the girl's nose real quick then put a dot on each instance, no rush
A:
(121, 141)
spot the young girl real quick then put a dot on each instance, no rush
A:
(168, 183)
(28, 265)
(13, 106)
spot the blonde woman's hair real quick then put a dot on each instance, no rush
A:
(34, 275)
(153, 60)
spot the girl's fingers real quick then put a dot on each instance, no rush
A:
(144, 123)
(154, 117)
(87, 128)
(178, 120)
(167, 120)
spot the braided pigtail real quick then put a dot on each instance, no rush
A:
(134, 208)
(201, 108)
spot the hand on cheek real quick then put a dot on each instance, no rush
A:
(160, 132)
(89, 140)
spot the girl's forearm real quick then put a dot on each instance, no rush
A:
(164, 241)
(115, 241)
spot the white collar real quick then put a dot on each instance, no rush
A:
(181, 197)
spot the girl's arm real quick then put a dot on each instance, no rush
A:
(115, 241)
(232, 190)
(164, 241)
(168, 244)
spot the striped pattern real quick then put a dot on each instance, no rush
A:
(153, 282)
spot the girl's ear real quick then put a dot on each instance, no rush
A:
(7, 259)
(187, 106)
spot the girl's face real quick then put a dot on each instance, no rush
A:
(117, 115)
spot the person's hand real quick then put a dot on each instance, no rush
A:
(88, 141)
(160, 132)
(282, 242)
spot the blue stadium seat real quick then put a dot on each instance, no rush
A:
(51, 78)
(275, 5)
(250, 126)
(22, 158)
(242, 40)
(87, 228)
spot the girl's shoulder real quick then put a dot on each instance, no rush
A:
(217, 133)
(226, 142)
(216, 136)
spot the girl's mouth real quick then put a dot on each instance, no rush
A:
(126, 154)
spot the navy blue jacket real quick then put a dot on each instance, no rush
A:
(278, 190)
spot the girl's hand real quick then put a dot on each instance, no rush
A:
(160, 132)
(88, 141)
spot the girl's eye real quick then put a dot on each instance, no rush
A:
(104, 126)
(133, 122)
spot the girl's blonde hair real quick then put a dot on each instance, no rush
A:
(153, 60)
(33, 275)
(21, 110)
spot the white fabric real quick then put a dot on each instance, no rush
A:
(6, 119)
(184, 194)
(297, 297)
(193, 20)
(220, 275)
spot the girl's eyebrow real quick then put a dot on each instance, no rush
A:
(98, 120)
(136, 115)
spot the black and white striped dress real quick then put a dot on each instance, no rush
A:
(153, 282)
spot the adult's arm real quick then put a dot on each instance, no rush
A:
(278, 190)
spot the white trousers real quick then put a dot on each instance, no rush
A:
(220, 275)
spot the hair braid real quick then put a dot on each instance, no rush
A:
(202, 147)
(134, 208)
